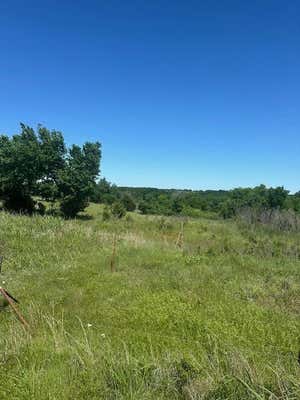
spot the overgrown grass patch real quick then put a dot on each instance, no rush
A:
(210, 320)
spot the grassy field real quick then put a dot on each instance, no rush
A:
(217, 318)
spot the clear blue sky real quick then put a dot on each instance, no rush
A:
(186, 94)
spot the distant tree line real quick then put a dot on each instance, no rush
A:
(37, 164)
(257, 198)
(273, 207)
(226, 204)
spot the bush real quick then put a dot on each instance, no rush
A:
(145, 207)
(279, 220)
(71, 205)
(188, 211)
(20, 203)
(118, 210)
(128, 202)
(106, 215)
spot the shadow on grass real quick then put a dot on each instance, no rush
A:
(84, 217)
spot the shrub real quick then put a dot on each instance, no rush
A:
(106, 215)
(128, 202)
(118, 210)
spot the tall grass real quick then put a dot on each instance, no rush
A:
(216, 319)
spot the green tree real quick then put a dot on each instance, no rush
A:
(105, 192)
(258, 199)
(277, 197)
(27, 160)
(53, 151)
(145, 207)
(128, 202)
(177, 205)
(38, 163)
(77, 180)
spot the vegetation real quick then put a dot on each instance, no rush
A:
(105, 193)
(118, 210)
(38, 163)
(200, 302)
(175, 202)
(77, 180)
(214, 317)
(209, 203)
(258, 198)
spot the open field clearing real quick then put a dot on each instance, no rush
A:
(196, 309)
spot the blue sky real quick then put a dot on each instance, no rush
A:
(183, 94)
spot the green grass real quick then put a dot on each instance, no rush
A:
(217, 319)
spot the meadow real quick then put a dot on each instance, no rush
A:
(195, 309)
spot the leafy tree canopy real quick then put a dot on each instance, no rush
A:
(38, 162)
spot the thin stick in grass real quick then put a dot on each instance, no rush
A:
(15, 309)
(179, 241)
(113, 256)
